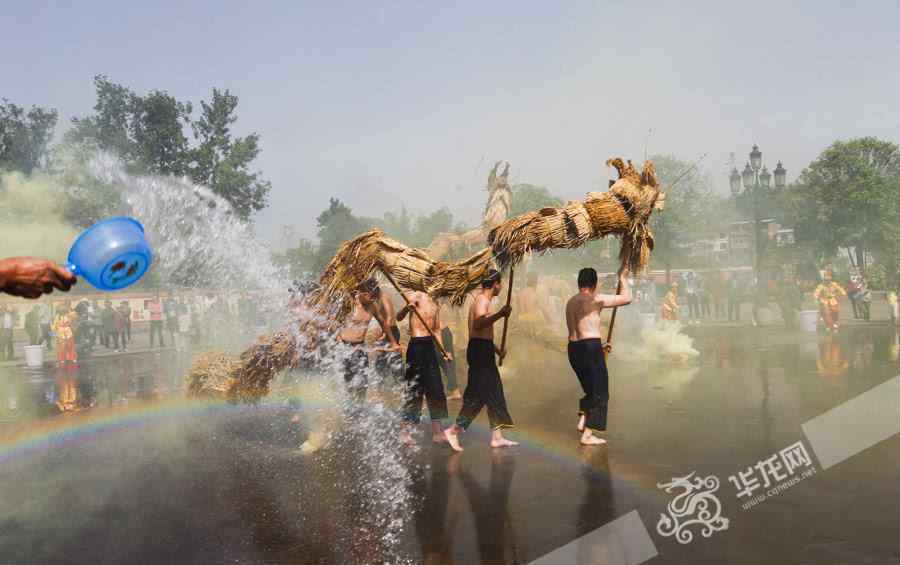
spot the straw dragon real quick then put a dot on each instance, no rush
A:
(623, 211)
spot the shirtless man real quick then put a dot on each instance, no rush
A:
(484, 386)
(365, 307)
(423, 376)
(586, 355)
(388, 363)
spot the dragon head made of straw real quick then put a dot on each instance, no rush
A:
(623, 212)
(640, 194)
(642, 189)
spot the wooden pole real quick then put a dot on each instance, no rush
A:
(416, 312)
(506, 320)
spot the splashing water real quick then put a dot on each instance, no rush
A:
(196, 238)
(197, 241)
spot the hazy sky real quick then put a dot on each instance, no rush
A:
(383, 103)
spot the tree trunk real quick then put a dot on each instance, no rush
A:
(860, 258)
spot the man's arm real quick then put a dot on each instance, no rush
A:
(621, 299)
(407, 308)
(483, 319)
(381, 316)
(31, 277)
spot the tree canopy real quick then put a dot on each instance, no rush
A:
(849, 196)
(24, 136)
(222, 162)
(687, 209)
(528, 197)
(148, 133)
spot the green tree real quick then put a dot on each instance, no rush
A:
(223, 162)
(87, 199)
(687, 208)
(336, 225)
(427, 227)
(108, 126)
(398, 225)
(528, 197)
(849, 196)
(147, 132)
(300, 260)
(157, 130)
(24, 136)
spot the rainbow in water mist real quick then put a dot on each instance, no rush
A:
(82, 427)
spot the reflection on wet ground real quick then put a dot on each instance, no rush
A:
(107, 464)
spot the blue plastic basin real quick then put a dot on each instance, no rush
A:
(111, 254)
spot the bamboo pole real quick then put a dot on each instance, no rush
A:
(506, 320)
(416, 312)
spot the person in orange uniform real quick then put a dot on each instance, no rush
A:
(65, 336)
(828, 295)
(670, 304)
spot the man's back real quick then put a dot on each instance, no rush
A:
(583, 316)
(428, 309)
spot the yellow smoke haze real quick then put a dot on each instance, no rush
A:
(31, 221)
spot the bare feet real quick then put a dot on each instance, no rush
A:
(497, 439)
(581, 422)
(503, 442)
(439, 438)
(452, 435)
(588, 438)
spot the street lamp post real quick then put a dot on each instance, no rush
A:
(756, 178)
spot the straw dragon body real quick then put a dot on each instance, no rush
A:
(623, 211)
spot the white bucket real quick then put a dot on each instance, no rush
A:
(647, 319)
(34, 355)
(808, 319)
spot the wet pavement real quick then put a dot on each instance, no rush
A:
(106, 463)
